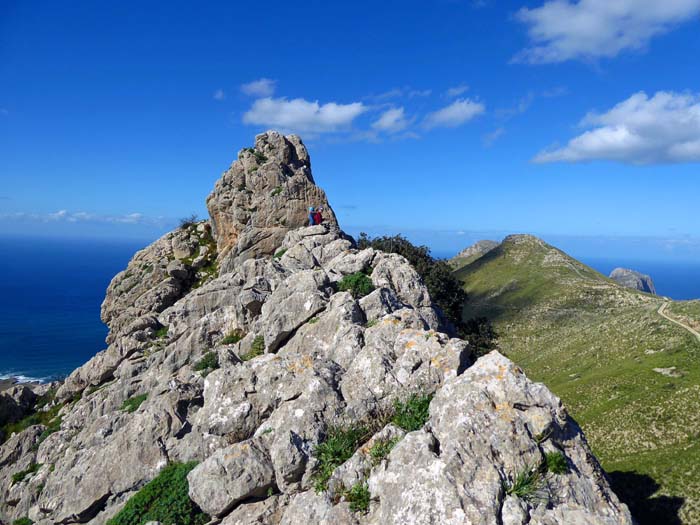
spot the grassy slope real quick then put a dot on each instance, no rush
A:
(595, 344)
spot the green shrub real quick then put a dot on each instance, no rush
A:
(480, 334)
(556, 463)
(256, 349)
(280, 253)
(18, 477)
(339, 445)
(40, 417)
(133, 403)
(358, 284)
(358, 497)
(527, 484)
(161, 333)
(444, 288)
(23, 521)
(233, 337)
(209, 361)
(163, 499)
(413, 413)
(52, 426)
(381, 448)
(313, 320)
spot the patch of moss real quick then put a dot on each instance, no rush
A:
(133, 403)
(20, 476)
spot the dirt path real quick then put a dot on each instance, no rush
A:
(662, 313)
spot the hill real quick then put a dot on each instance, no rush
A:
(629, 375)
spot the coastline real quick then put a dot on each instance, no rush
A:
(8, 382)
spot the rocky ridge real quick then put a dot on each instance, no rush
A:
(472, 253)
(292, 355)
(633, 279)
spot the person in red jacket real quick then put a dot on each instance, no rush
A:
(318, 216)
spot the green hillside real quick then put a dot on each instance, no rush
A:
(629, 376)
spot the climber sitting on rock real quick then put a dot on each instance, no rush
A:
(312, 216)
(318, 217)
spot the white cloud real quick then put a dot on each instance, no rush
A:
(263, 87)
(562, 30)
(81, 216)
(299, 115)
(219, 94)
(492, 137)
(392, 121)
(456, 114)
(456, 91)
(406, 91)
(640, 130)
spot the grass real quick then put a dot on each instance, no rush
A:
(23, 521)
(276, 191)
(527, 485)
(340, 444)
(358, 284)
(163, 499)
(413, 413)
(381, 448)
(133, 403)
(371, 323)
(555, 462)
(208, 362)
(280, 253)
(358, 497)
(256, 349)
(596, 345)
(41, 416)
(20, 476)
(313, 320)
(233, 337)
(161, 333)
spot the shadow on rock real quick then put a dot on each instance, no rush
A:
(637, 491)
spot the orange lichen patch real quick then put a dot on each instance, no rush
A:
(297, 367)
(237, 452)
(501, 373)
(410, 344)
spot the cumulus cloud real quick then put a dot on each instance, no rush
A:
(456, 91)
(456, 114)
(562, 30)
(640, 130)
(392, 121)
(263, 87)
(303, 116)
(219, 94)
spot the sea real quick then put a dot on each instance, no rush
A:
(51, 291)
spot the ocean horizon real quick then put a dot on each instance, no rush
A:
(53, 288)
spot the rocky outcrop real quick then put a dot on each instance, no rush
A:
(292, 358)
(633, 279)
(264, 194)
(472, 253)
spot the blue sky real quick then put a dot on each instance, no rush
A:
(445, 120)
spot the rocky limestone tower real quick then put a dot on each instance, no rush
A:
(633, 279)
(263, 195)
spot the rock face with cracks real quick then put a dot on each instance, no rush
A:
(291, 359)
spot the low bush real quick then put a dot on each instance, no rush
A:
(279, 254)
(256, 349)
(233, 337)
(208, 362)
(358, 497)
(133, 403)
(381, 448)
(47, 418)
(161, 333)
(340, 444)
(23, 521)
(358, 284)
(413, 413)
(187, 222)
(20, 476)
(163, 499)
(480, 334)
(527, 484)
(555, 462)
